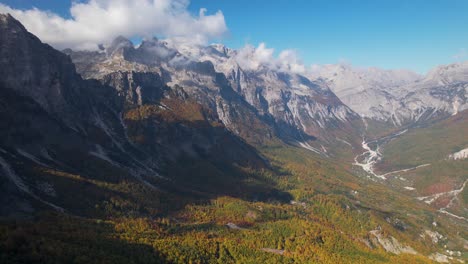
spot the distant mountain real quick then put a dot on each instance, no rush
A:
(397, 96)
(443, 91)
(447, 74)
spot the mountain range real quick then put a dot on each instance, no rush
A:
(398, 96)
(152, 147)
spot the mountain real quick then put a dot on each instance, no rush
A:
(398, 97)
(371, 85)
(164, 153)
(277, 103)
(291, 99)
(62, 132)
(443, 90)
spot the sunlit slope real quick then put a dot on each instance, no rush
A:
(441, 174)
(333, 217)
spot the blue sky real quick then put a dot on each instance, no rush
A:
(411, 34)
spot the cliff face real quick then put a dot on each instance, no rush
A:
(255, 104)
(62, 132)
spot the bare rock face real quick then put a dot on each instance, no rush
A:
(299, 107)
(59, 132)
(36, 71)
(398, 96)
(137, 88)
(293, 101)
(273, 102)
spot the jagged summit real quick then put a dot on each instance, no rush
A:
(8, 20)
(398, 96)
(445, 74)
(296, 107)
(221, 49)
(118, 44)
(129, 127)
(34, 69)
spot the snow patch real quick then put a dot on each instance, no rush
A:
(456, 106)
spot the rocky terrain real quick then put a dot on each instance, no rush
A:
(176, 153)
(398, 97)
(54, 119)
(281, 104)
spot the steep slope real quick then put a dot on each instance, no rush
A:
(289, 98)
(274, 103)
(292, 100)
(62, 134)
(51, 117)
(197, 80)
(427, 162)
(142, 166)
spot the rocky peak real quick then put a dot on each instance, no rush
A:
(136, 88)
(212, 75)
(119, 47)
(445, 74)
(219, 50)
(34, 69)
(9, 22)
(156, 50)
(151, 42)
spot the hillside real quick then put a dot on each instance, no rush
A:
(440, 173)
(124, 156)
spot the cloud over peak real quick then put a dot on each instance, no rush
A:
(99, 21)
(251, 58)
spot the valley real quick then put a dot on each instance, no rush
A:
(176, 152)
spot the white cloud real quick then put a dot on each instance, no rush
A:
(251, 58)
(462, 53)
(94, 22)
(99, 21)
(289, 61)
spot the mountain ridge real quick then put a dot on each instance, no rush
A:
(154, 157)
(403, 97)
(297, 109)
